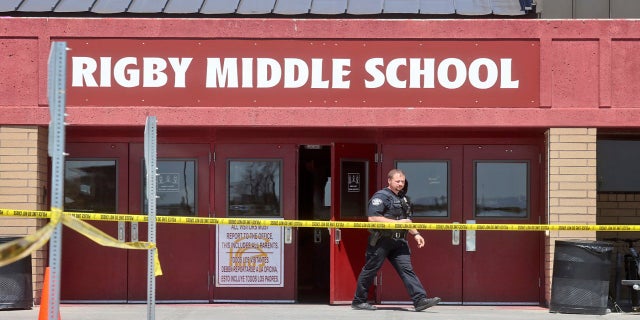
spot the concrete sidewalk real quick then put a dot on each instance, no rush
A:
(299, 311)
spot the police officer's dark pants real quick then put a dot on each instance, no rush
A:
(399, 254)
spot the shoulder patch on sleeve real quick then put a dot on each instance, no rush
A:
(376, 201)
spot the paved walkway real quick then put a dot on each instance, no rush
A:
(300, 311)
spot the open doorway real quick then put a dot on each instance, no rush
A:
(314, 203)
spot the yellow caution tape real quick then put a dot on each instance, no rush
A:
(324, 224)
(20, 248)
(15, 250)
(101, 238)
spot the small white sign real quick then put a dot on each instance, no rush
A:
(168, 182)
(353, 182)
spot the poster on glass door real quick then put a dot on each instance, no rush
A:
(249, 256)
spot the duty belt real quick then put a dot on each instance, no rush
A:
(394, 234)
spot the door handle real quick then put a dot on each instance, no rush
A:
(317, 235)
(121, 227)
(455, 236)
(134, 231)
(288, 236)
(471, 238)
(337, 236)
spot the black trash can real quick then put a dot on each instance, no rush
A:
(581, 271)
(15, 283)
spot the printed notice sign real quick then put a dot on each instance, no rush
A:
(249, 256)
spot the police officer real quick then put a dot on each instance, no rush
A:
(391, 205)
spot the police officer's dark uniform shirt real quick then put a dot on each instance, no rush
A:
(387, 204)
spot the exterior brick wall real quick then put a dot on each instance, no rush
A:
(23, 185)
(572, 188)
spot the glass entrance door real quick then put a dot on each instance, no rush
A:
(184, 249)
(502, 185)
(434, 175)
(95, 178)
(255, 263)
(353, 171)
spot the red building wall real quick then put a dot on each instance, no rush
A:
(588, 71)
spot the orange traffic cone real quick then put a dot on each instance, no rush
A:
(44, 299)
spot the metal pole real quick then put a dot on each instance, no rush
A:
(57, 95)
(150, 156)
